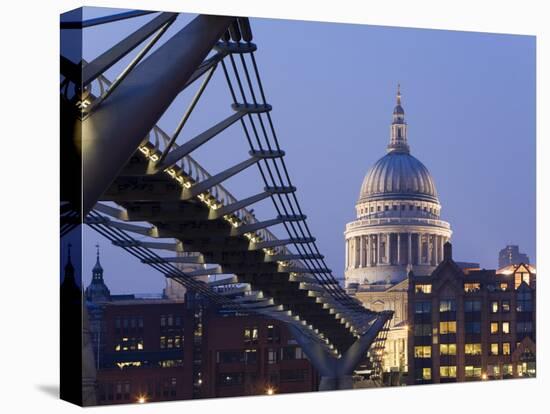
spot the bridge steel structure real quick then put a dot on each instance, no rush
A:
(143, 190)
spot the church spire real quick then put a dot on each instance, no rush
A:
(398, 135)
(97, 271)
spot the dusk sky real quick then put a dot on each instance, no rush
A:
(469, 101)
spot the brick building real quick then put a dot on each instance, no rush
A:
(164, 349)
(471, 324)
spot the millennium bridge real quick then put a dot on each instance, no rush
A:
(140, 187)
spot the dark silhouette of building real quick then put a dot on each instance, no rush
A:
(97, 290)
(471, 324)
(511, 255)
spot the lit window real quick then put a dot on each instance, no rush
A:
(447, 349)
(426, 373)
(472, 349)
(507, 370)
(505, 306)
(506, 348)
(504, 286)
(447, 327)
(447, 305)
(493, 370)
(494, 306)
(494, 327)
(472, 287)
(506, 327)
(423, 288)
(520, 277)
(472, 372)
(447, 371)
(422, 351)
(494, 349)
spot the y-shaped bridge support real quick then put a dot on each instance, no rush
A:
(336, 373)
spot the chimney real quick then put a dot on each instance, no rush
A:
(447, 251)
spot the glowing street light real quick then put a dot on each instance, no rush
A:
(270, 391)
(142, 399)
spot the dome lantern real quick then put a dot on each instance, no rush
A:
(398, 134)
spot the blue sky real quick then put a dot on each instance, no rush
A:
(469, 100)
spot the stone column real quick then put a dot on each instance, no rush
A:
(357, 252)
(430, 249)
(438, 249)
(398, 248)
(419, 252)
(409, 248)
(362, 252)
(388, 258)
(347, 253)
(378, 248)
(368, 245)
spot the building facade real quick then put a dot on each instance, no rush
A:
(398, 228)
(471, 325)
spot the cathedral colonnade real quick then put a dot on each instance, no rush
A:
(394, 247)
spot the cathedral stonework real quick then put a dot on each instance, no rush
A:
(398, 225)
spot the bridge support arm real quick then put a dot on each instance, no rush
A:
(112, 132)
(336, 373)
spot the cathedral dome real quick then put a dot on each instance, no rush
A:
(398, 175)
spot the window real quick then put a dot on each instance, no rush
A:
(447, 349)
(423, 288)
(273, 334)
(493, 370)
(423, 329)
(447, 305)
(504, 286)
(293, 375)
(505, 306)
(423, 307)
(471, 371)
(524, 327)
(494, 349)
(472, 349)
(472, 287)
(426, 374)
(271, 356)
(129, 344)
(448, 327)
(472, 305)
(229, 379)
(472, 327)
(423, 351)
(250, 356)
(520, 277)
(447, 371)
(230, 357)
(494, 327)
(524, 302)
(494, 306)
(507, 370)
(251, 335)
(506, 348)
(506, 327)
